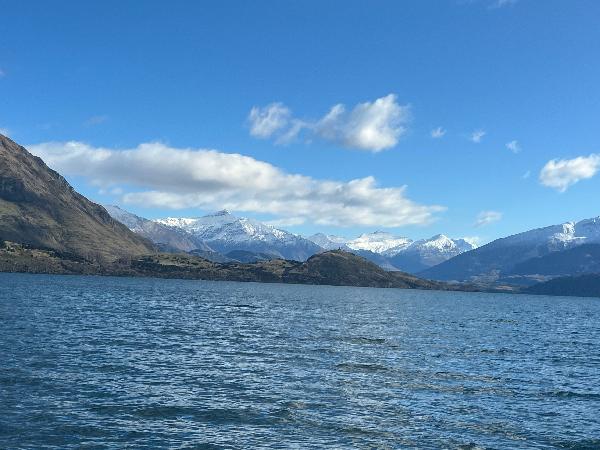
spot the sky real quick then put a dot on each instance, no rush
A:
(475, 118)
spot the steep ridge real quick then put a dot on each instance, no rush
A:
(39, 208)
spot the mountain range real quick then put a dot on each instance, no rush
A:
(225, 234)
(47, 227)
(527, 257)
(396, 252)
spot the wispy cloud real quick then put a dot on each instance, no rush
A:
(502, 3)
(561, 174)
(371, 126)
(5, 132)
(526, 175)
(477, 136)
(437, 133)
(95, 120)
(487, 217)
(176, 178)
(513, 146)
(267, 120)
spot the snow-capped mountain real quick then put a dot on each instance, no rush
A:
(170, 238)
(378, 242)
(329, 241)
(499, 257)
(224, 232)
(424, 253)
(397, 253)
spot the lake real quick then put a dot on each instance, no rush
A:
(104, 362)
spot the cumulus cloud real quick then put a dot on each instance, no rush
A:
(160, 176)
(487, 217)
(438, 133)
(371, 126)
(560, 174)
(513, 146)
(266, 121)
(477, 136)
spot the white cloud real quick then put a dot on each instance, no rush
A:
(477, 136)
(372, 126)
(265, 121)
(165, 177)
(513, 146)
(560, 174)
(438, 132)
(5, 132)
(487, 217)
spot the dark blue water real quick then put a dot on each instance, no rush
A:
(107, 363)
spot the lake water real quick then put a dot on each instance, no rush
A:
(106, 362)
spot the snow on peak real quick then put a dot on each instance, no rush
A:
(378, 242)
(329, 241)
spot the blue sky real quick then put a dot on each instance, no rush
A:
(110, 76)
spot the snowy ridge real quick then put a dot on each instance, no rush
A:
(225, 232)
(378, 242)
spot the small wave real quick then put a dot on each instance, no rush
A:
(361, 367)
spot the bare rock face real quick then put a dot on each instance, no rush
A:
(39, 208)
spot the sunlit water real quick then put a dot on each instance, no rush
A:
(107, 363)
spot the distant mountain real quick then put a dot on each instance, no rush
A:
(422, 254)
(224, 232)
(397, 253)
(378, 242)
(170, 238)
(502, 256)
(39, 208)
(329, 241)
(579, 286)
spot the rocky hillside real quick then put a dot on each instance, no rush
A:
(39, 208)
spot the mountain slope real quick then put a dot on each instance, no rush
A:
(224, 232)
(582, 259)
(170, 237)
(500, 257)
(39, 208)
(581, 286)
